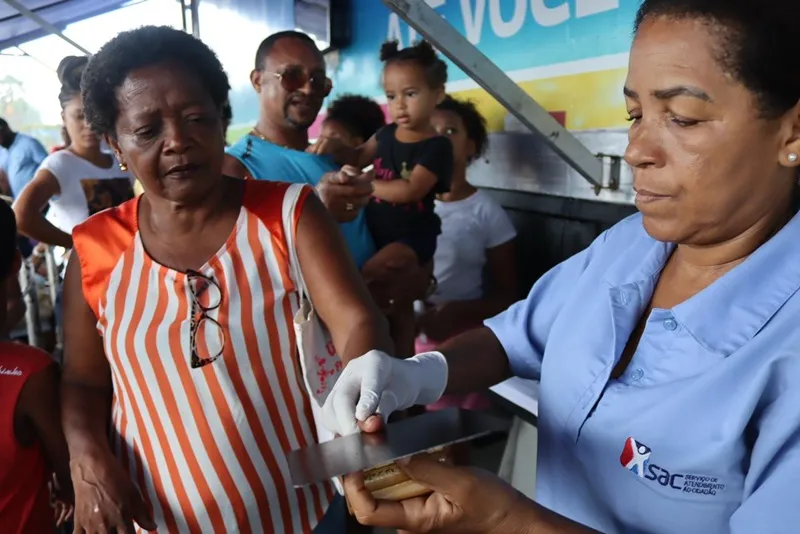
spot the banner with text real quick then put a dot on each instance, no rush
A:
(571, 55)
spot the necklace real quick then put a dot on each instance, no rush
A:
(261, 136)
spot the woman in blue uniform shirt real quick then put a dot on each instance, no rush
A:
(669, 350)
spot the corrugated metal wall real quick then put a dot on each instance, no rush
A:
(555, 210)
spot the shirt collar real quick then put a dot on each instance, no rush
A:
(733, 309)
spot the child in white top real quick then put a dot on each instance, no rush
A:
(476, 244)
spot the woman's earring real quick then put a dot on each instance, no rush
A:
(123, 167)
(792, 157)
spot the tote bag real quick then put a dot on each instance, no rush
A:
(319, 363)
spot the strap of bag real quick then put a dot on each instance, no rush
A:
(290, 199)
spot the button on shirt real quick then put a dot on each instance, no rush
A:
(701, 434)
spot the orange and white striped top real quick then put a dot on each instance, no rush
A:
(207, 446)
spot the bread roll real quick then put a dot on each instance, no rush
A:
(389, 482)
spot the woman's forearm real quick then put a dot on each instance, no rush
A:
(475, 360)
(36, 226)
(85, 414)
(469, 313)
(369, 333)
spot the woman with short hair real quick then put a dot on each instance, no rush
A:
(669, 350)
(179, 309)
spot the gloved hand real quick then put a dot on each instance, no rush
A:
(379, 383)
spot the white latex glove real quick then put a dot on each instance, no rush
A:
(379, 383)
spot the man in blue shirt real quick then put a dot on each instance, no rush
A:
(290, 79)
(23, 155)
(291, 82)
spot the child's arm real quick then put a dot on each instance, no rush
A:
(40, 404)
(433, 170)
(360, 156)
(365, 154)
(401, 191)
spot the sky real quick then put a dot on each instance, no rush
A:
(37, 70)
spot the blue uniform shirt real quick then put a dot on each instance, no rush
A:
(701, 434)
(268, 161)
(22, 160)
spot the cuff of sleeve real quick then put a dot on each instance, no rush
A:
(501, 239)
(433, 380)
(522, 358)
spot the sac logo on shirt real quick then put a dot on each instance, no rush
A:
(635, 457)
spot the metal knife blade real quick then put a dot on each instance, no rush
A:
(360, 451)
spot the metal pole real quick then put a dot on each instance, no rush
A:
(53, 281)
(31, 298)
(194, 7)
(428, 23)
(183, 16)
(36, 59)
(27, 13)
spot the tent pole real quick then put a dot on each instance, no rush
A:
(183, 16)
(27, 13)
(193, 7)
(36, 59)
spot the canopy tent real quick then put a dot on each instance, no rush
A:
(18, 26)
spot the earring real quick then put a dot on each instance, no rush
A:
(123, 167)
(792, 157)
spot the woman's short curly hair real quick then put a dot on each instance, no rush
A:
(143, 47)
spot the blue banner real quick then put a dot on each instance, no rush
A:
(515, 34)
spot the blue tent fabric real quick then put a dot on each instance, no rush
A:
(16, 29)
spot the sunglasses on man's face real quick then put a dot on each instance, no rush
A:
(295, 78)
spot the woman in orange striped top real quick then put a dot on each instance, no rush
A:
(179, 314)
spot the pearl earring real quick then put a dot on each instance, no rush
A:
(123, 167)
(792, 157)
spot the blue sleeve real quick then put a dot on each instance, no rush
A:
(236, 150)
(37, 152)
(239, 151)
(523, 328)
(771, 503)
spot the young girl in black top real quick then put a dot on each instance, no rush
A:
(412, 163)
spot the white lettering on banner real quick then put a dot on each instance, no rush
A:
(473, 19)
(394, 33)
(549, 16)
(16, 371)
(473, 13)
(586, 8)
(509, 28)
